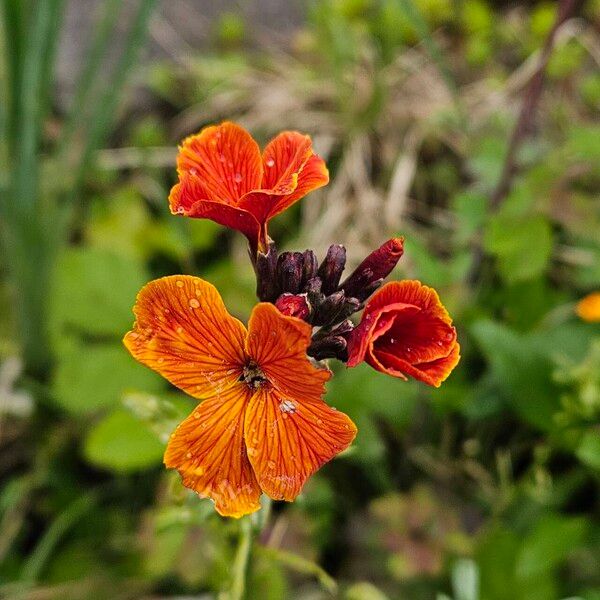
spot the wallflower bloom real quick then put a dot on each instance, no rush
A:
(588, 308)
(405, 330)
(262, 424)
(223, 177)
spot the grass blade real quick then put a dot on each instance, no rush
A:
(97, 51)
(413, 14)
(108, 102)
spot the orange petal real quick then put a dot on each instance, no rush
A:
(209, 452)
(183, 331)
(588, 308)
(291, 170)
(283, 158)
(188, 198)
(288, 439)
(433, 373)
(225, 159)
(278, 344)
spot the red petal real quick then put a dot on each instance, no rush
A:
(432, 373)
(288, 439)
(209, 452)
(225, 159)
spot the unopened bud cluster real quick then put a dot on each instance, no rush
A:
(301, 287)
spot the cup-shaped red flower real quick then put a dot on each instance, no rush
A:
(405, 330)
(224, 177)
(262, 425)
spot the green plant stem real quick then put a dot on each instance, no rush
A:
(301, 565)
(242, 557)
(43, 551)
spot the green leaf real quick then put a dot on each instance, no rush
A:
(588, 450)
(521, 370)
(549, 544)
(118, 443)
(523, 246)
(94, 292)
(92, 377)
(367, 396)
(364, 590)
(496, 558)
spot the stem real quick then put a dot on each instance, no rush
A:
(523, 126)
(240, 564)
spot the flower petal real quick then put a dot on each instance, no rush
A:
(209, 452)
(188, 197)
(283, 158)
(417, 337)
(432, 373)
(225, 159)
(288, 439)
(374, 322)
(184, 332)
(409, 292)
(278, 344)
(291, 170)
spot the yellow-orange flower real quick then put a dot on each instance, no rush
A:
(223, 177)
(588, 308)
(262, 424)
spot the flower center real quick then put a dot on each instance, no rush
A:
(253, 375)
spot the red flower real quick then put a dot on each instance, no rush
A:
(223, 177)
(405, 330)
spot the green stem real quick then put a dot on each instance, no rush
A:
(240, 564)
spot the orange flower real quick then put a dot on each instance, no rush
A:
(588, 308)
(223, 177)
(262, 424)
(405, 330)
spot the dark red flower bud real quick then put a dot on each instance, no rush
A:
(329, 347)
(289, 272)
(332, 267)
(265, 265)
(378, 265)
(310, 266)
(293, 305)
(329, 310)
(331, 344)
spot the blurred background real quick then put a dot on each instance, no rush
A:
(470, 127)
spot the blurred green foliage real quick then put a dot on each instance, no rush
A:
(485, 489)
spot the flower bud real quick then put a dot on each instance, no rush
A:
(332, 267)
(289, 272)
(331, 344)
(309, 268)
(328, 311)
(377, 266)
(265, 265)
(328, 347)
(293, 305)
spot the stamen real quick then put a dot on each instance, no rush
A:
(253, 375)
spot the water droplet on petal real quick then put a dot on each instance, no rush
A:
(270, 162)
(194, 303)
(179, 283)
(237, 177)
